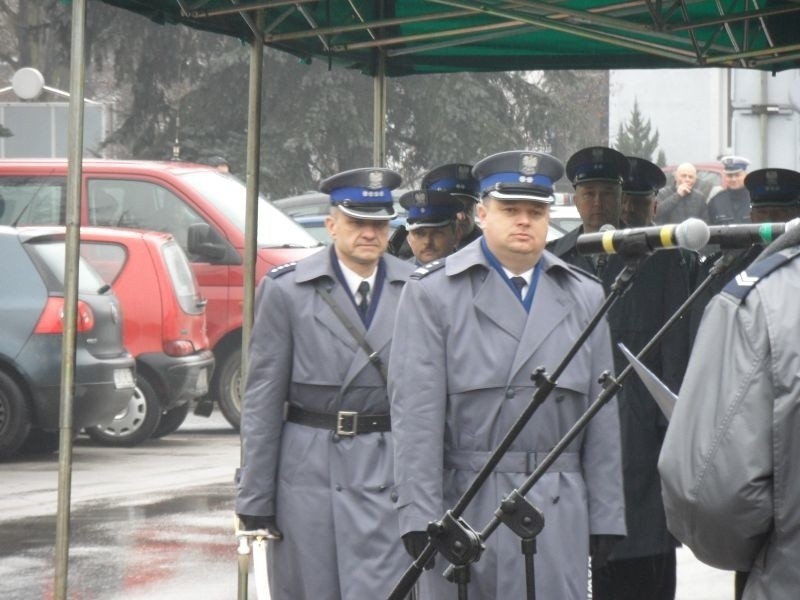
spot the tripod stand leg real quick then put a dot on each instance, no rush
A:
(528, 550)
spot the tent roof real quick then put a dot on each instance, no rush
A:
(436, 36)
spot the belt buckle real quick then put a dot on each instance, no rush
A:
(341, 425)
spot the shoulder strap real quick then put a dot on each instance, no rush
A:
(373, 356)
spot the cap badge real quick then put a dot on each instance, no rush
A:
(528, 164)
(420, 198)
(463, 172)
(771, 177)
(597, 154)
(375, 180)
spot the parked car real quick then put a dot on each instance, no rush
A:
(201, 207)
(163, 327)
(32, 317)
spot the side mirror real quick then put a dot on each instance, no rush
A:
(203, 241)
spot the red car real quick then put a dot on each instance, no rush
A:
(164, 328)
(201, 207)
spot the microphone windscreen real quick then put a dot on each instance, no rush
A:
(692, 234)
(607, 227)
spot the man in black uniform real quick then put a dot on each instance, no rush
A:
(431, 223)
(457, 179)
(643, 564)
(731, 205)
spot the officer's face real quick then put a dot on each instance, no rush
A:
(638, 210)
(359, 243)
(735, 181)
(598, 203)
(432, 243)
(515, 231)
(773, 214)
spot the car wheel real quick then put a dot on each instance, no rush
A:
(40, 442)
(15, 418)
(135, 423)
(171, 420)
(227, 390)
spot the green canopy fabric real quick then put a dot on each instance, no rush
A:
(437, 36)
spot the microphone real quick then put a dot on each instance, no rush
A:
(692, 234)
(742, 236)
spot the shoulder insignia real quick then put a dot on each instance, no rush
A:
(276, 272)
(427, 269)
(741, 285)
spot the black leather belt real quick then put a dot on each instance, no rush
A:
(344, 422)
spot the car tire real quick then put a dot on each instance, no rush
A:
(15, 417)
(227, 388)
(171, 420)
(135, 423)
(40, 442)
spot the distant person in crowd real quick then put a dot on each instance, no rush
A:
(731, 205)
(774, 198)
(681, 200)
(639, 189)
(471, 330)
(317, 456)
(643, 565)
(729, 465)
(457, 179)
(219, 163)
(432, 224)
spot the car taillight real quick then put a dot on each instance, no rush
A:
(178, 348)
(52, 318)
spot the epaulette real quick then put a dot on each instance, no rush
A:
(741, 285)
(427, 269)
(276, 272)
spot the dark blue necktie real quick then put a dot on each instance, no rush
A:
(363, 291)
(519, 283)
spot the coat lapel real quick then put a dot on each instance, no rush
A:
(550, 306)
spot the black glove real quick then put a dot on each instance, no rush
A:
(600, 547)
(415, 542)
(267, 523)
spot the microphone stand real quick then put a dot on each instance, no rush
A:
(452, 536)
(519, 514)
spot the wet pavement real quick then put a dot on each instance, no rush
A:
(156, 522)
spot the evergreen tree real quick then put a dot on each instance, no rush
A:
(634, 138)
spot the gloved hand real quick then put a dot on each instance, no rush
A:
(415, 542)
(600, 547)
(267, 523)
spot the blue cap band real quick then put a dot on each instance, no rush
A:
(359, 195)
(515, 177)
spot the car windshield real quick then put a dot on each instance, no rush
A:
(51, 256)
(227, 194)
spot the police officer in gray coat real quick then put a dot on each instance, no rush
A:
(729, 466)
(317, 448)
(470, 332)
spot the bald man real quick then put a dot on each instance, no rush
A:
(681, 201)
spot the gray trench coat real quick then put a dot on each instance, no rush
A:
(463, 353)
(332, 496)
(730, 464)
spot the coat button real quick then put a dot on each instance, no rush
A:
(393, 495)
(338, 488)
(511, 392)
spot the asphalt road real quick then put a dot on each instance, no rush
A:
(156, 521)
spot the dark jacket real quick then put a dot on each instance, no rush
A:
(729, 206)
(671, 207)
(664, 281)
